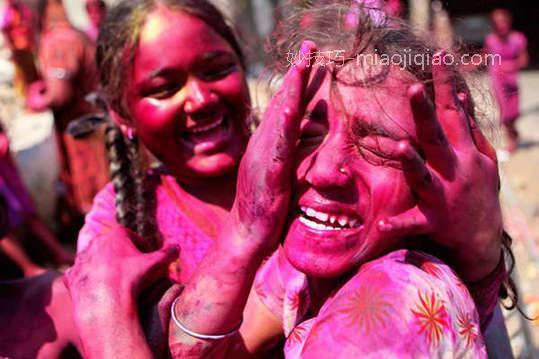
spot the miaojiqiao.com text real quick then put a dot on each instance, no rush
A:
(406, 59)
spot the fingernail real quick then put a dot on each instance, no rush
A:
(383, 226)
(440, 54)
(404, 149)
(306, 47)
(416, 91)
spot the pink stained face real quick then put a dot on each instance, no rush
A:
(188, 96)
(502, 22)
(96, 12)
(343, 186)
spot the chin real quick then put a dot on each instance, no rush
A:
(323, 254)
(217, 165)
(316, 265)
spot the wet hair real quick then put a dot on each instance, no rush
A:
(117, 42)
(356, 30)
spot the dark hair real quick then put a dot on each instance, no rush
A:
(370, 32)
(117, 41)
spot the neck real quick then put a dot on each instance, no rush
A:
(219, 191)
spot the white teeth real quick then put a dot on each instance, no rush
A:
(343, 221)
(329, 222)
(311, 212)
(208, 127)
(317, 226)
(322, 217)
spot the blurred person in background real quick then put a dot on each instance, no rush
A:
(17, 26)
(24, 213)
(511, 47)
(67, 65)
(96, 10)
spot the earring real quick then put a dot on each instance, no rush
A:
(130, 134)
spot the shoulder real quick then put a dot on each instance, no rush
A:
(490, 39)
(520, 39)
(407, 304)
(100, 219)
(102, 216)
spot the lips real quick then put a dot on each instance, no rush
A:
(208, 136)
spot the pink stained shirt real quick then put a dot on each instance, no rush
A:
(173, 225)
(406, 304)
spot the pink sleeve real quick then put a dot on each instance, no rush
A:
(522, 41)
(100, 219)
(404, 305)
(283, 290)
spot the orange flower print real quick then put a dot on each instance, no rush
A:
(369, 307)
(467, 329)
(432, 317)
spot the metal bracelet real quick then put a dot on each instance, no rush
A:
(198, 335)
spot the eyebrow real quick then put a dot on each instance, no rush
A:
(360, 127)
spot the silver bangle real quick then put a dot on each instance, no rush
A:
(197, 335)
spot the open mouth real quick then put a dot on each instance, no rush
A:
(208, 133)
(208, 127)
(323, 221)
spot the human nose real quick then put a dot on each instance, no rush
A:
(328, 167)
(199, 97)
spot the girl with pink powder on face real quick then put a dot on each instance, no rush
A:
(511, 47)
(190, 110)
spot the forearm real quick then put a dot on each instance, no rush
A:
(212, 303)
(120, 337)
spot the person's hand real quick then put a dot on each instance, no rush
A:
(35, 96)
(265, 173)
(456, 182)
(105, 284)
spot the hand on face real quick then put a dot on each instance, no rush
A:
(265, 174)
(109, 275)
(457, 182)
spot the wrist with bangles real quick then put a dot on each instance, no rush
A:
(199, 335)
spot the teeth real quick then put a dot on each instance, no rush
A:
(208, 127)
(311, 212)
(322, 217)
(330, 222)
(343, 221)
(317, 226)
